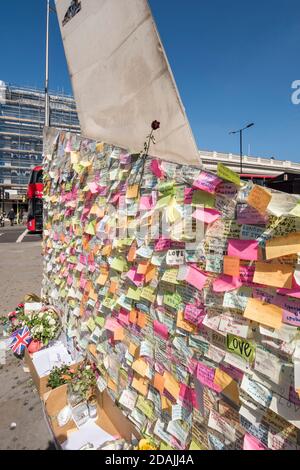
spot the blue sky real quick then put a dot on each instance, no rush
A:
(234, 62)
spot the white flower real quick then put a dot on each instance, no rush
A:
(41, 314)
(52, 322)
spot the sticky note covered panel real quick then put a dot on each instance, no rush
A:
(169, 274)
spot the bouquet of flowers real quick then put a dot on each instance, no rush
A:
(83, 382)
(60, 376)
(13, 321)
(44, 325)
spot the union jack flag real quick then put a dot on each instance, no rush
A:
(20, 340)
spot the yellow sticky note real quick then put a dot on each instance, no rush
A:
(132, 349)
(267, 314)
(283, 246)
(132, 192)
(274, 275)
(259, 198)
(229, 387)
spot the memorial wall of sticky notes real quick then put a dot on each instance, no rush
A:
(195, 338)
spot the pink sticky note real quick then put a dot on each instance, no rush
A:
(196, 278)
(194, 314)
(206, 376)
(125, 158)
(247, 215)
(208, 216)
(93, 187)
(123, 317)
(70, 280)
(82, 283)
(290, 292)
(226, 283)
(243, 249)
(111, 324)
(162, 244)
(146, 203)
(160, 329)
(207, 182)
(188, 195)
(247, 274)
(137, 279)
(235, 373)
(251, 443)
(156, 169)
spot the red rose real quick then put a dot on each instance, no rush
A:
(155, 125)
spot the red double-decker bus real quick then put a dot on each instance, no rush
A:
(35, 200)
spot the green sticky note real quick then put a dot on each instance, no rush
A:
(164, 446)
(228, 175)
(163, 202)
(241, 347)
(119, 264)
(91, 228)
(172, 300)
(166, 187)
(108, 302)
(100, 321)
(91, 324)
(134, 294)
(201, 198)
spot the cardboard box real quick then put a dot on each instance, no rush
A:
(110, 417)
(40, 382)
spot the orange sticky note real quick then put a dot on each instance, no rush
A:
(229, 387)
(113, 287)
(140, 366)
(102, 279)
(142, 267)
(171, 385)
(132, 253)
(159, 383)
(259, 198)
(132, 349)
(150, 274)
(132, 191)
(106, 250)
(119, 334)
(283, 246)
(141, 385)
(133, 316)
(183, 324)
(111, 384)
(274, 275)
(267, 314)
(142, 320)
(231, 266)
(93, 295)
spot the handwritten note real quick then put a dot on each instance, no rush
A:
(259, 198)
(231, 266)
(242, 347)
(283, 246)
(266, 314)
(275, 275)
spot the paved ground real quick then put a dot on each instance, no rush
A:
(17, 233)
(20, 274)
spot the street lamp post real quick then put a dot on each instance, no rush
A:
(50, 9)
(240, 131)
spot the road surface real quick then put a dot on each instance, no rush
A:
(18, 234)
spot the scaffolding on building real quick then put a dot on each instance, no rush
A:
(22, 120)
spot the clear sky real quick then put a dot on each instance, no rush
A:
(234, 62)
